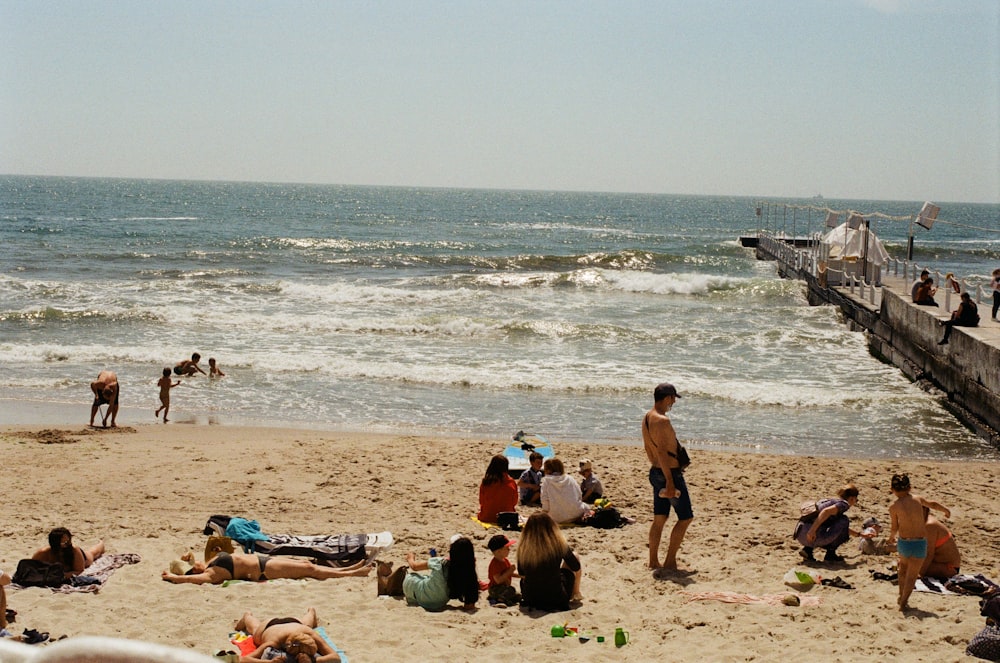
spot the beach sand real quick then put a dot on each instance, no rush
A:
(150, 489)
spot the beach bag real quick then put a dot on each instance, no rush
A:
(683, 459)
(508, 520)
(606, 518)
(985, 644)
(35, 573)
(808, 511)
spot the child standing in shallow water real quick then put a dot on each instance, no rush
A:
(213, 369)
(165, 386)
(909, 523)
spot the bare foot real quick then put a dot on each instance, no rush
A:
(577, 597)
(165, 420)
(241, 625)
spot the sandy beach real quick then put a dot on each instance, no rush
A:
(150, 489)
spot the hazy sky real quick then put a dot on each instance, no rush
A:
(880, 99)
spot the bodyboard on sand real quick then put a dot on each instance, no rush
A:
(518, 457)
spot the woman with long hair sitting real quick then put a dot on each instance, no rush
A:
(550, 571)
(452, 577)
(497, 491)
(61, 550)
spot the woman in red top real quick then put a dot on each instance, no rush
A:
(498, 491)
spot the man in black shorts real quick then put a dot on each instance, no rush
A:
(666, 478)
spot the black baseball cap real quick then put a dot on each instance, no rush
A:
(663, 390)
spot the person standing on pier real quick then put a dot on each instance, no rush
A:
(966, 315)
(916, 285)
(995, 284)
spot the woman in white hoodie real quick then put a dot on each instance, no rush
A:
(561, 497)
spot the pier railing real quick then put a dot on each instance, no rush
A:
(807, 257)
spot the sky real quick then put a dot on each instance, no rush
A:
(861, 99)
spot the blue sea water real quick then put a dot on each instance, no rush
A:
(443, 311)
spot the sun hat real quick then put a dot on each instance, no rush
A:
(585, 464)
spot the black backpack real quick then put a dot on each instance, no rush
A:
(606, 518)
(35, 573)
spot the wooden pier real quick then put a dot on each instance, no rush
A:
(966, 371)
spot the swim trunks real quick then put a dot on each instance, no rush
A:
(178, 370)
(262, 560)
(281, 620)
(99, 398)
(661, 505)
(912, 548)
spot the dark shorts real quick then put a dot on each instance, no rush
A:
(662, 505)
(99, 398)
(281, 620)
(178, 370)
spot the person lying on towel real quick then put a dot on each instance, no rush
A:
(295, 637)
(237, 566)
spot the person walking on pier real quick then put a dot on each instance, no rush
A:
(966, 315)
(995, 284)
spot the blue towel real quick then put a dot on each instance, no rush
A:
(245, 532)
(323, 634)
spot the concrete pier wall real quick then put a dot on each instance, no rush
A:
(966, 370)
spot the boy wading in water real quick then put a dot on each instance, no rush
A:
(910, 525)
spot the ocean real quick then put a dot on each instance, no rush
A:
(454, 312)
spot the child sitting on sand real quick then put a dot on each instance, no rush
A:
(452, 577)
(165, 386)
(590, 488)
(872, 543)
(501, 593)
(529, 484)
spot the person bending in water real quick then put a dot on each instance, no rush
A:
(106, 392)
(189, 366)
(297, 638)
(237, 566)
